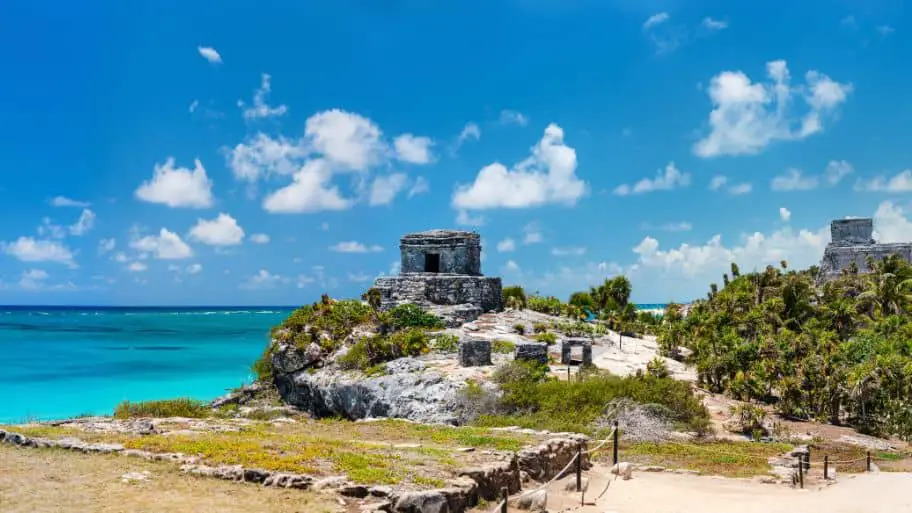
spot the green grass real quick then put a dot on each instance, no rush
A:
(729, 459)
(502, 346)
(183, 407)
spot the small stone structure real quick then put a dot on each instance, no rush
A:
(531, 351)
(567, 349)
(852, 240)
(475, 353)
(441, 271)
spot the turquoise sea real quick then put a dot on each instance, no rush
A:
(58, 362)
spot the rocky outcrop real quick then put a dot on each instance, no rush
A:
(408, 390)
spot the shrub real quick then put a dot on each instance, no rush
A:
(372, 296)
(445, 343)
(262, 368)
(473, 401)
(750, 417)
(548, 305)
(547, 338)
(657, 368)
(513, 297)
(519, 328)
(539, 327)
(409, 315)
(182, 407)
(377, 349)
(502, 346)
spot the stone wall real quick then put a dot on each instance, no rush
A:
(852, 232)
(459, 252)
(428, 290)
(836, 257)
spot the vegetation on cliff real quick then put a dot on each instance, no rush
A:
(841, 351)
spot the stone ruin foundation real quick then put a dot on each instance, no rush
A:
(567, 351)
(474, 353)
(441, 272)
(852, 240)
(531, 351)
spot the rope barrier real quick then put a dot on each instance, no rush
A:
(553, 479)
(499, 505)
(602, 444)
(606, 488)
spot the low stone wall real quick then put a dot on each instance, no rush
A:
(440, 289)
(531, 351)
(545, 460)
(475, 353)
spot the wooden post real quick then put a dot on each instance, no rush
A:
(807, 460)
(826, 467)
(568, 373)
(801, 471)
(504, 494)
(615, 455)
(869, 461)
(579, 468)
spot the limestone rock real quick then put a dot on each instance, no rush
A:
(491, 478)
(475, 353)
(536, 501)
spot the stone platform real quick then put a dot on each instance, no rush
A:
(852, 241)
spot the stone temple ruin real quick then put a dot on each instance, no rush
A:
(852, 240)
(441, 272)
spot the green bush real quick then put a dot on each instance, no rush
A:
(445, 343)
(182, 407)
(539, 327)
(548, 305)
(371, 351)
(262, 368)
(547, 338)
(657, 368)
(513, 297)
(502, 346)
(373, 297)
(410, 315)
(519, 328)
(336, 319)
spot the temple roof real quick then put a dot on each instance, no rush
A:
(439, 234)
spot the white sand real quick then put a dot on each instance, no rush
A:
(672, 493)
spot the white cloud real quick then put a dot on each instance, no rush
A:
(33, 279)
(177, 187)
(209, 54)
(714, 25)
(741, 188)
(49, 229)
(193, 105)
(304, 280)
(469, 131)
(420, 186)
(261, 280)
(900, 182)
(309, 192)
(569, 251)
(359, 277)
(682, 226)
(785, 214)
(260, 109)
(463, 218)
(748, 116)
(547, 176)
(891, 223)
(106, 245)
(385, 188)
(259, 238)
(532, 233)
(885, 30)
(324, 226)
(63, 201)
(121, 257)
(506, 245)
(262, 156)
(194, 268)
(656, 19)
(413, 149)
(355, 247)
(669, 178)
(512, 117)
(836, 170)
(717, 182)
(136, 267)
(85, 223)
(28, 249)
(221, 231)
(511, 267)
(345, 139)
(166, 245)
(794, 180)
(849, 22)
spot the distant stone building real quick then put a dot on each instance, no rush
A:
(441, 271)
(852, 240)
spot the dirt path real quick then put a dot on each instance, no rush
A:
(672, 493)
(43, 481)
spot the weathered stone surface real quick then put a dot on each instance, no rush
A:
(460, 496)
(853, 242)
(474, 353)
(551, 456)
(407, 391)
(531, 351)
(491, 478)
(458, 252)
(288, 358)
(536, 501)
(567, 350)
(429, 290)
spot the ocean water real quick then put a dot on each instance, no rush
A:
(59, 362)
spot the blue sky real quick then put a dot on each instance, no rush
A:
(227, 152)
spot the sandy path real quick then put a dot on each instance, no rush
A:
(672, 493)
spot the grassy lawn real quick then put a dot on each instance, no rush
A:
(730, 459)
(382, 452)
